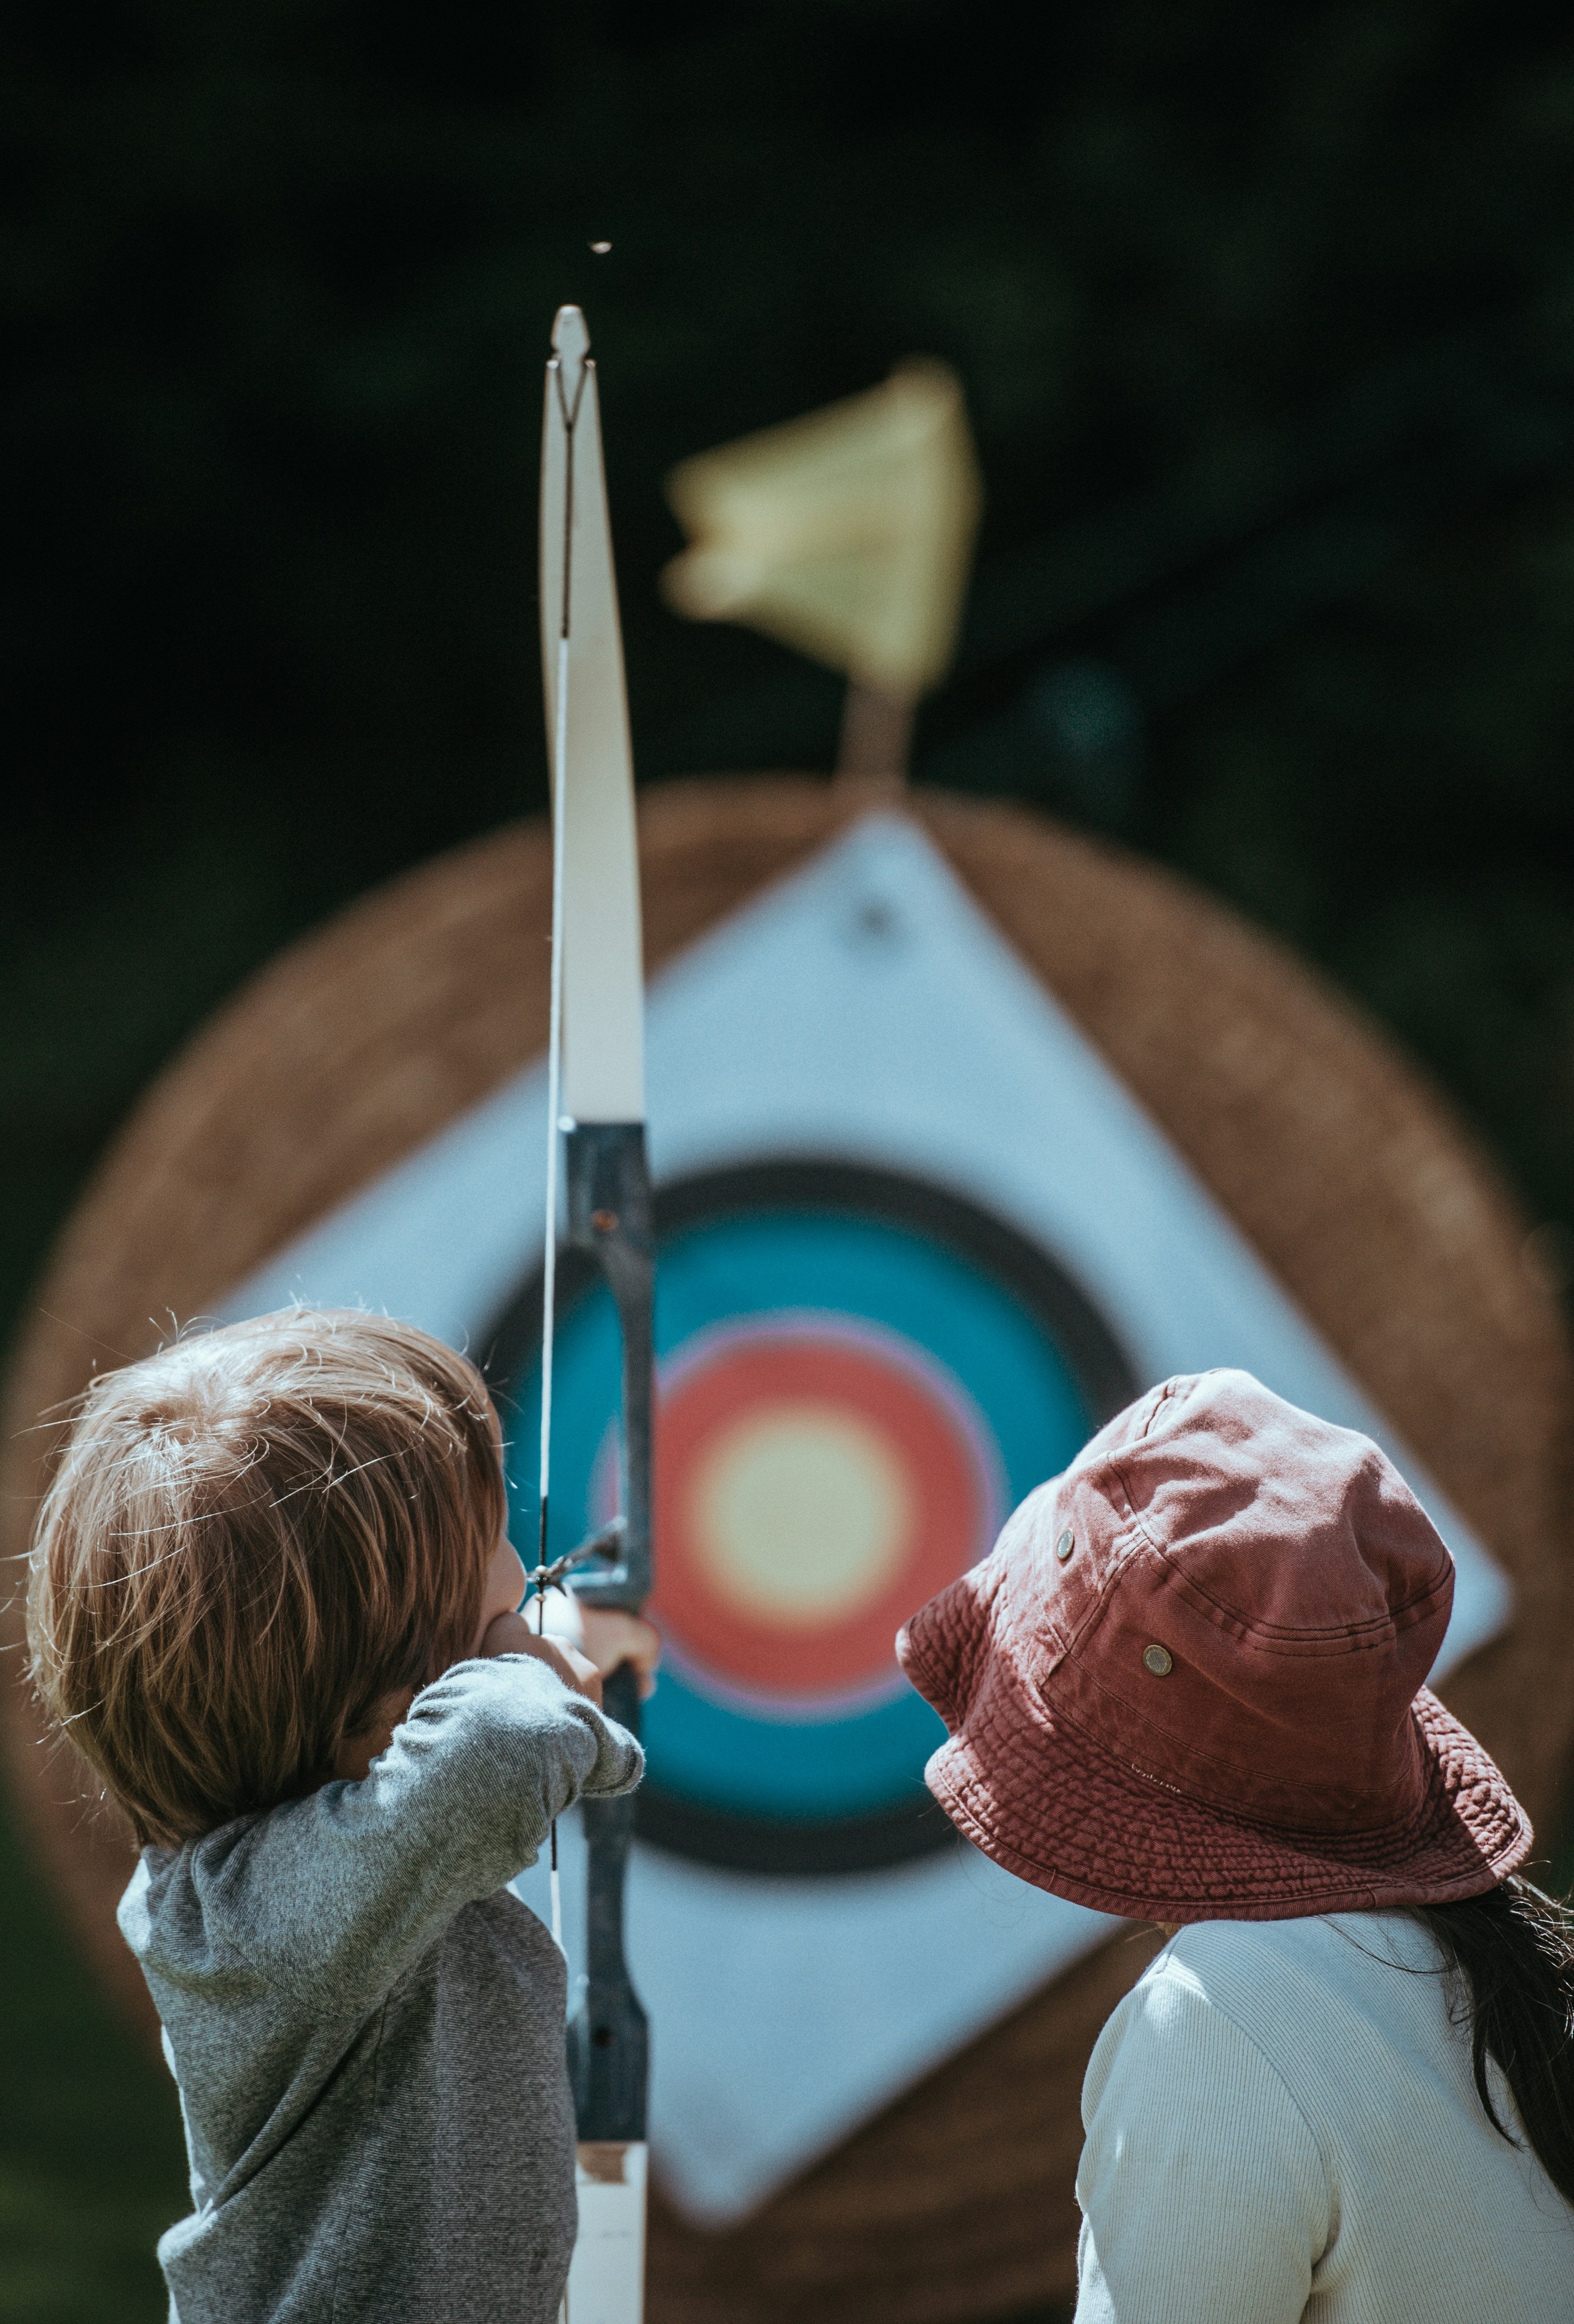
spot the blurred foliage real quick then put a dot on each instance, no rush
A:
(275, 280)
(276, 276)
(1393, 794)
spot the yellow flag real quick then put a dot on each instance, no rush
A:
(846, 534)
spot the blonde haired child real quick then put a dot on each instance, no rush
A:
(273, 1603)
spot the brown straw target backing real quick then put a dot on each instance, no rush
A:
(1340, 1164)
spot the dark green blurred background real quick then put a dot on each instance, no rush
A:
(1267, 320)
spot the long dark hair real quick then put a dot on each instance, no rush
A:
(1511, 1956)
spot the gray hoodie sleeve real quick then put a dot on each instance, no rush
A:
(338, 1893)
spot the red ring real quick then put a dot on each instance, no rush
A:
(744, 1379)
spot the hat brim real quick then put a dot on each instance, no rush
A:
(1043, 1798)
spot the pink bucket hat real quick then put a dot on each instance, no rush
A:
(1186, 1685)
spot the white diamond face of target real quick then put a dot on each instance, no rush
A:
(606, 2275)
(917, 1239)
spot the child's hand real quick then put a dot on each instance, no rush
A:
(604, 1635)
(611, 1639)
(511, 1634)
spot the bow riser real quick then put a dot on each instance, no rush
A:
(609, 1213)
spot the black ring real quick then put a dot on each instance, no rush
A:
(1099, 1364)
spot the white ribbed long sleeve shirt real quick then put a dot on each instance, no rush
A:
(1282, 2123)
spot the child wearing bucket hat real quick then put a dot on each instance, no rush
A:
(1187, 1687)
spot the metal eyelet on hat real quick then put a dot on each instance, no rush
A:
(1159, 1660)
(1065, 1546)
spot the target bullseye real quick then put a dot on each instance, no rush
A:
(813, 1485)
(799, 1516)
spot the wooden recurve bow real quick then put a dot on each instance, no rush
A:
(597, 1099)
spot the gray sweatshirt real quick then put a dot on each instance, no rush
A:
(368, 2036)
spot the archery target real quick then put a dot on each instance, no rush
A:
(1044, 1036)
(862, 1017)
(858, 1375)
